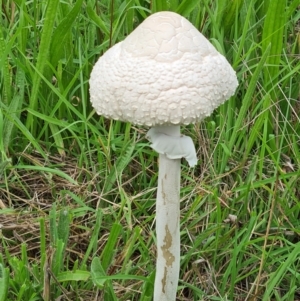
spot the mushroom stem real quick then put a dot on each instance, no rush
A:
(167, 224)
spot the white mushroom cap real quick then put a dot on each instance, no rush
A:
(164, 73)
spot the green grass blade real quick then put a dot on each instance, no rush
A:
(63, 225)
(280, 272)
(61, 33)
(232, 8)
(292, 8)
(174, 4)
(130, 247)
(104, 27)
(247, 101)
(94, 238)
(273, 35)
(14, 109)
(57, 261)
(4, 280)
(241, 42)
(27, 134)
(53, 226)
(186, 7)
(96, 272)
(122, 277)
(148, 288)
(129, 16)
(218, 40)
(49, 170)
(59, 141)
(2, 150)
(43, 244)
(3, 165)
(77, 275)
(110, 247)
(5, 69)
(99, 279)
(256, 130)
(121, 163)
(42, 59)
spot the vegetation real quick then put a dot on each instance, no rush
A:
(77, 192)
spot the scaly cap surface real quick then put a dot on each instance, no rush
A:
(164, 72)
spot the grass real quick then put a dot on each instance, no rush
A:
(77, 192)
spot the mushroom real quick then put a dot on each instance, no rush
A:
(163, 75)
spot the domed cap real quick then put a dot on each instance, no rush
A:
(164, 73)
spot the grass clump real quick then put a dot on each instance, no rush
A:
(77, 192)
